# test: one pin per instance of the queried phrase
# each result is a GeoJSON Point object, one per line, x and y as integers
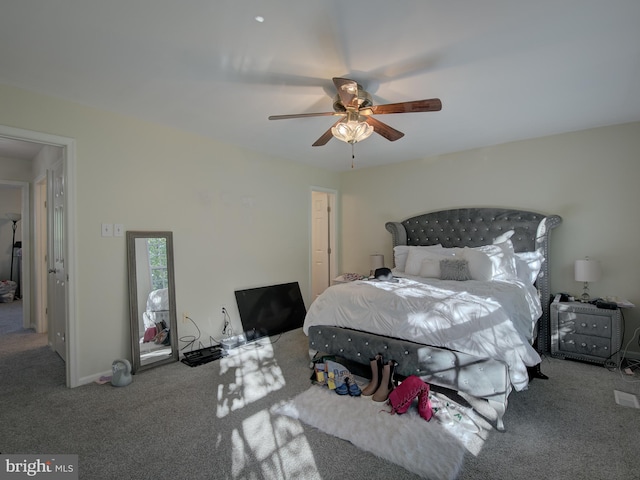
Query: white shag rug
{"type": "Point", "coordinates": [424, 448]}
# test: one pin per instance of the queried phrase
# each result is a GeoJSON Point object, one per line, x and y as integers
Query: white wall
{"type": "Point", "coordinates": [589, 178]}
{"type": "Point", "coordinates": [239, 219]}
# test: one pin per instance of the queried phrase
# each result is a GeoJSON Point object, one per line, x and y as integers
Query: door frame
{"type": "Point", "coordinates": [69, 158]}
{"type": "Point", "coordinates": [333, 233]}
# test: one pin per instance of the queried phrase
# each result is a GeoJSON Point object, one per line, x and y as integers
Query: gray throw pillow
{"type": "Point", "coordinates": [454, 269]}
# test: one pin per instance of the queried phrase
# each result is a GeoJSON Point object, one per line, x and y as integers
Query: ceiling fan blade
{"type": "Point", "coordinates": [302, 115]}
{"type": "Point", "coordinates": [347, 91]}
{"type": "Point", "coordinates": [385, 130]}
{"type": "Point", "coordinates": [430, 105]}
{"type": "Point", "coordinates": [326, 136]}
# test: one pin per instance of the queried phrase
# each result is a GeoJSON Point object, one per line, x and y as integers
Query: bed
{"type": "Point", "coordinates": [450, 316]}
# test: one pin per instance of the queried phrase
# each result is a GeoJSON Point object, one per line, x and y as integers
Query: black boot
{"type": "Point", "coordinates": [535, 372]}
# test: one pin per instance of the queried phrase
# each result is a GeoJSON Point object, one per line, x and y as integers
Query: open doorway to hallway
{"type": "Point", "coordinates": [14, 229]}
{"type": "Point", "coordinates": [53, 166]}
{"type": "Point", "coordinates": [323, 240]}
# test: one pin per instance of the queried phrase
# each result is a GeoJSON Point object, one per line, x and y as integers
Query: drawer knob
{"type": "Point", "coordinates": [583, 344]}
{"type": "Point", "coordinates": [584, 324]}
{"type": "Point", "coordinates": [595, 325]}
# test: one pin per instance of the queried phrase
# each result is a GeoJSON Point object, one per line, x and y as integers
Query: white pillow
{"type": "Point", "coordinates": [430, 268]}
{"type": "Point", "coordinates": [401, 256]}
{"type": "Point", "coordinates": [528, 265]}
{"type": "Point", "coordinates": [418, 254]}
{"type": "Point", "coordinates": [503, 262]}
{"type": "Point", "coordinates": [400, 253]}
{"type": "Point", "coordinates": [504, 237]}
{"type": "Point", "coordinates": [480, 265]}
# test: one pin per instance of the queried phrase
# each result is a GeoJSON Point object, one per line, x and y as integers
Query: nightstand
{"type": "Point", "coordinates": [584, 332]}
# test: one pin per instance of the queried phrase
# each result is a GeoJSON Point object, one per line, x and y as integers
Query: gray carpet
{"type": "Point", "coordinates": [10, 317]}
{"type": "Point", "coordinates": [215, 421]}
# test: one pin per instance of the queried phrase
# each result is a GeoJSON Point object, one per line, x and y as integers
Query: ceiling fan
{"type": "Point", "coordinates": [355, 108]}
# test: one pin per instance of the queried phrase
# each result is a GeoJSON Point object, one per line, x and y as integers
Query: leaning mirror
{"type": "Point", "coordinates": [152, 301]}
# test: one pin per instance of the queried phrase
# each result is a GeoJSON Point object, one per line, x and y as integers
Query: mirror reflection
{"type": "Point", "coordinates": [152, 299]}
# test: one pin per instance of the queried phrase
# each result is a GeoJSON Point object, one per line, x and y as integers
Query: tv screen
{"type": "Point", "coordinates": [270, 310]}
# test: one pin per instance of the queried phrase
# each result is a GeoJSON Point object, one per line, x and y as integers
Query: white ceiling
{"type": "Point", "coordinates": [504, 69]}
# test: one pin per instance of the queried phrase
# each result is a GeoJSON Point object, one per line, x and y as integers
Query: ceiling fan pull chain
{"type": "Point", "coordinates": [353, 155]}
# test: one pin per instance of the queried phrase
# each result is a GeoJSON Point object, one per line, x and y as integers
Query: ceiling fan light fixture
{"type": "Point", "coordinates": [353, 129]}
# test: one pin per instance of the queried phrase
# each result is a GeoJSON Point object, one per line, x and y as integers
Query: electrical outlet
{"type": "Point", "coordinates": [223, 310]}
{"type": "Point", "coordinates": [185, 317]}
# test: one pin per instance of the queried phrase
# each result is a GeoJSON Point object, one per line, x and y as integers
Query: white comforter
{"type": "Point", "coordinates": [486, 319]}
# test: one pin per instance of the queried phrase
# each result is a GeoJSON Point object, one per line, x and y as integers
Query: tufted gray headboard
{"type": "Point", "coordinates": [474, 227]}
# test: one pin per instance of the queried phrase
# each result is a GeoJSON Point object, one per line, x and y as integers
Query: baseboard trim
{"type": "Point", "coordinates": [92, 378]}
{"type": "Point", "coordinates": [632, 355]}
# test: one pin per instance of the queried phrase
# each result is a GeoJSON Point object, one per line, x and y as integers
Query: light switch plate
{"type": "Point", "coordinates": [118, 230]}
{"type": "Point", "coordinates": [107, 229]}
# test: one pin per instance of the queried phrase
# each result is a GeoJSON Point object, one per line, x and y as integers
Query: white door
{"type": "Point", "coordinates": [322, 242]}
{"type": "Point", "coordinates": [56, 260]}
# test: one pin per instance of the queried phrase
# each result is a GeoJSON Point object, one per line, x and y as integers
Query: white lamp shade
{"type": "Point", "coordinates": [352, 132]}
{"type": "Point", "coordinates": [587, 270]}
{"type": "Point", "coordinates": [377, 261]}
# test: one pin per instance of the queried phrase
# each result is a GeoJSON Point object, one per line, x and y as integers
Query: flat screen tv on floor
{"type": "Point", "coordinates": [270, 310]}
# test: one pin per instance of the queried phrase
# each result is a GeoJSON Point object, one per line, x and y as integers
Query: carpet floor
{"type": "Point", "coordinates": [216, 421]}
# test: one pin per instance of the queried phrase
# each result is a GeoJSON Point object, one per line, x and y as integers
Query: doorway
{"type": "Point", "coordinates": [323, 240]}
{"type": "Point", "coordinates": [65, 147]}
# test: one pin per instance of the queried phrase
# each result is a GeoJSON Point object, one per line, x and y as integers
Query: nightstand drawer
{"type": "Point", "coordinates": [585, 345]}
{"type": "Point", "coordinates": [585, 324]}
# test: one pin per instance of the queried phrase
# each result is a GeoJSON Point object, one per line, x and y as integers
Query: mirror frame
{"type": "Point", "coordinates": [133, 299]}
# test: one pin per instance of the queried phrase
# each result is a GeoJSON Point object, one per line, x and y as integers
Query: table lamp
{"type": "Point", "coordinates": [586, 271]}
{"type": "Point", "coordinates": [376, 261]}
